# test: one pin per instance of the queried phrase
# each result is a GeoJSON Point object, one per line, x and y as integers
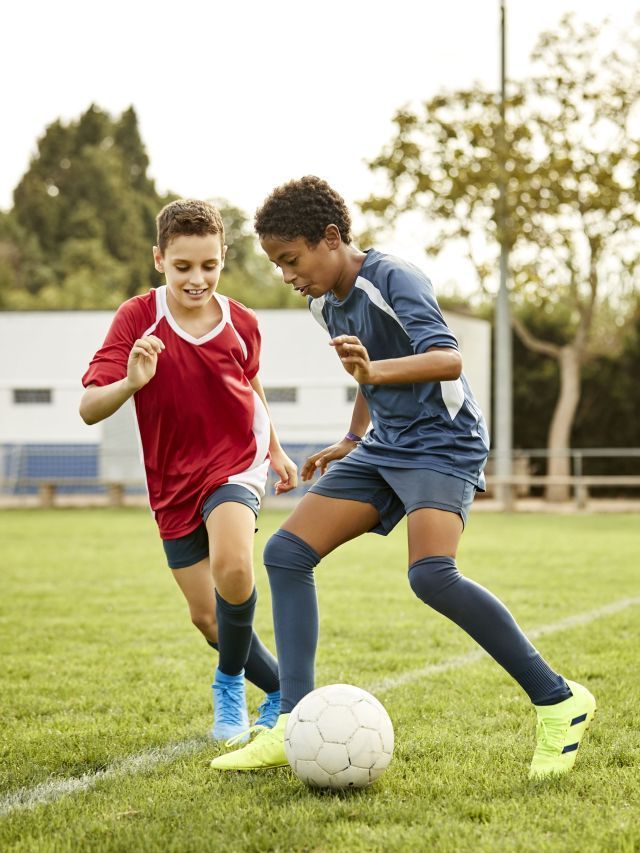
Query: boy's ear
{"type": "Point", "coordinates": [158, 260]}
{"type": "Point", "coordinates": [332, 236]}
{"type": "Point", "coordinates": [224, 253]}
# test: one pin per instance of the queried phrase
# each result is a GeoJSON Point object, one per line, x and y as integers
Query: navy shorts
{"type": "Point", "coordinates": [395, 492]}
{"type": "Point", "coordinates": [187, 550]}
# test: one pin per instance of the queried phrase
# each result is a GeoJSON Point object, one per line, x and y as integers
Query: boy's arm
{"type": "Point", "coordinates": [438, 364]}
{"type": "Point", "coordinates": [100, 401]}
{"type": "Point", "coordinates": [284, 467]}
{"type": "Point", "coordinates": [360, 420]}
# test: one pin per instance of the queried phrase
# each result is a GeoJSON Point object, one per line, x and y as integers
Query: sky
{"type": "Point", "coordinates": [236, 97]}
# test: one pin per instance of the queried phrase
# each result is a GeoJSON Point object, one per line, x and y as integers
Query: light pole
{"type": "Point", "coordinates": [503, 428]}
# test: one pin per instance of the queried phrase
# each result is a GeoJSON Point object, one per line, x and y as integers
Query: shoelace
{"type": "Point", "coordinates": [551, 736]}
{"type": "Point", "coordinates": [232, 703]}
{"type": "Point", "coordinates": [267, 705]}
{"type": "Point", "coordinates": [239, 738]}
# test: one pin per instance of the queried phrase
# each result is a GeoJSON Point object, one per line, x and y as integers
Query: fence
{"type": "Point", "coordinates": [614, 470]}
{"type": "Point", "coordinates": [48, 472]}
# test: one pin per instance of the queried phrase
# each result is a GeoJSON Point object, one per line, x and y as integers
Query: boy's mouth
{"type": "Point", "coordinates": [195, 291]}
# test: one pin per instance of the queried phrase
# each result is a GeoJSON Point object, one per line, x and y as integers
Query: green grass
{"type": "Point", "coordinates": [100, 663]}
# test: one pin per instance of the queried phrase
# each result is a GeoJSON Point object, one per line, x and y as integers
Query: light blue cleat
{"type": "Point", "coordinates": [230, 718]}
{"type": "Point", "coordinates": [269, 710]}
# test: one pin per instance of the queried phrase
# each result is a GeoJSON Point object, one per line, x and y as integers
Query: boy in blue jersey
{"type": "Point", "coordinates": [423, 457]}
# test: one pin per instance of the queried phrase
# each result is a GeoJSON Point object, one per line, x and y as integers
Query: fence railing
{"type": "Point", "coordinates": [525, 477]}
{"type": "Point", "coordinates": [49, 472]}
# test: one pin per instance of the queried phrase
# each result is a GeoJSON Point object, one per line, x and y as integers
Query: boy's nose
{"type": "Point", "coordinates": [197, 277]}
{"type": "Point", "coordinates": [289, 277]}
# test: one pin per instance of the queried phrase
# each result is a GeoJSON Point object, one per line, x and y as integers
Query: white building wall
{"type": "Point", "coordinates": [52, 350]}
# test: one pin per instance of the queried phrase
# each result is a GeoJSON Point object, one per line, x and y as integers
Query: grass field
{"type": "Point", "coordinates": [104, 695]}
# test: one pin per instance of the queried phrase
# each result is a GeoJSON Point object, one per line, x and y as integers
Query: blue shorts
{"type": "Point", "coordinates": [395, 492]}
{"type": "Point", "coordinates": [187, 550]}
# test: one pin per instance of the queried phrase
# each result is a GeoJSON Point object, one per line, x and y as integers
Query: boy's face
{"type": "Point", "coordinates": [191, 265]}
{"type": "Point", "coordinates": [310, 270]}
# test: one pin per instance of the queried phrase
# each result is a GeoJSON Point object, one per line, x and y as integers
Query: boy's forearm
{"type": "Point", "coordinates": [360, 418]}
{"type": "Point", "coordinates": [436, 365]}
{"type": "Point", "coordinates": [100, 401]}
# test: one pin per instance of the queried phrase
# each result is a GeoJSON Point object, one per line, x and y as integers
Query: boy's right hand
{"type": "Point", "coordinates": [320, 460]}
{"type": "Point", "coordinates": [143, 360]}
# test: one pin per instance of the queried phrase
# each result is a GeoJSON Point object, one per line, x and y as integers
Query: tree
{"type": "Point", "coordinates": [83, 224]}
{"type": "Point", "coordinates": [86, 183]}
{"type": "Point", "coordinates": [569, 164]}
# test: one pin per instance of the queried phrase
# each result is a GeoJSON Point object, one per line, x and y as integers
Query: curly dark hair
{"type": "Point", "coordinates": [303, 208]}
{"type": "Point", "coordinates": [188, 216]}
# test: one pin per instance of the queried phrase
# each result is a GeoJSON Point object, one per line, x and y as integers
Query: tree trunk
{"type": "Point", "coordinates": [558, 443]}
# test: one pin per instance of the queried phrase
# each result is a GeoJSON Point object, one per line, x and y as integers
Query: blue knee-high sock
{"type": "Point", "coordinates": [261, 667]}
{"type": "Point", "coordinates": [437, 581]}
{"type": "Point", "coordinates": [290, 563]}
{"type": "Point", "coordinates": [235, 630]}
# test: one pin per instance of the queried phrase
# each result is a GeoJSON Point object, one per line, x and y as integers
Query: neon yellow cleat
{"type": "Point", "coordinates": [265, 751]}
{"type": "Point", "coordinates": [559, 731]}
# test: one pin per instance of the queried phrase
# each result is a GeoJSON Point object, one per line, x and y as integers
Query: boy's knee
{"type": "Point", "coordinates": [285, 550]}
{"type": "Point", "coordinates": [205, 622]}
{"type": "Point", "coordinates": [431, 576]}
{"type": "Point", "coordinates": [232, 572]}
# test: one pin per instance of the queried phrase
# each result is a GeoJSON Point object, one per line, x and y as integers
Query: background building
{"type": "Point", "coordinates": [44, 354]}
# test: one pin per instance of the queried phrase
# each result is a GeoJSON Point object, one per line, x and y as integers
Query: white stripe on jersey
{"type": "Point", "coordinates": [452, 396]}
{"type": "Point", "coordinates": [377, 298]}
{"type": "Point", "coordinates": [315, 306]}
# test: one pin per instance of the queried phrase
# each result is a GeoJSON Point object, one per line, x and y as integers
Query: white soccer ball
{"type": "Point", "coordinates": [339, 736]}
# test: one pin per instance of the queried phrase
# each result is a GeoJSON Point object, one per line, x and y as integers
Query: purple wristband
{"type": "Point", "coordinates": [351, 436]}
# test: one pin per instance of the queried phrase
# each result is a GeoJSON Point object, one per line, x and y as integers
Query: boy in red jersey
{"type": "Point", "coordinates": [189, 357]}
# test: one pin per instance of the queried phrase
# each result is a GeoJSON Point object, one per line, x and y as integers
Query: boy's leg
{"type": "Point", "coordinates": [564, 711]}
{"type": "Point", "coordinates": [317, 526]}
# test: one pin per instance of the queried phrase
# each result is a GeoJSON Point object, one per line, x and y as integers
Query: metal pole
{"type": "Point", "coordinates": [503, 428]}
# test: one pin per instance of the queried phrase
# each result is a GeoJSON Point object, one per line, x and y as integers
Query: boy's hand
{"type": "Point", "coordinates": [143, 360]}
{"type": "Point", "coordinates": [286, 469]}
{"type": "Point", "coordinates": [320, 460]}
{"type": "Point", "coordinates": [354, 357]}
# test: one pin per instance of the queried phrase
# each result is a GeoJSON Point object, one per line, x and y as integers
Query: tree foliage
{"type": "Point", "coordinates": [80, 233]}
{"type": "Point", "coordinates": [567, 158]}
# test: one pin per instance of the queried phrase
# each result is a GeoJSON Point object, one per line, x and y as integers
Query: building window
{"type": "Point", "coordinates": [281, 395]}
{"type": "Point", "coordinates": [32, 395]}
{"type": "Point", "coordinates": [351, 393]}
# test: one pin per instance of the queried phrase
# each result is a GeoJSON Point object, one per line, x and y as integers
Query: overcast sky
{"type": "Point", "coordinates": [236, 97]}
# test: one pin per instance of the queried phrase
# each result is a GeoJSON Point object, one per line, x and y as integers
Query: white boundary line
{"type": "Point", "coordinates": [479, 654]}
{"type": "Point", "coordinates": [48, 792]}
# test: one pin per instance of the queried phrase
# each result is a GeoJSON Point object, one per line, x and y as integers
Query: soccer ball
{"type": "Point", "coordinates": [338, 736]}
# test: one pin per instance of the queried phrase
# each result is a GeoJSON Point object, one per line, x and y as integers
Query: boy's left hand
{"type": "Point", "coordinates": [354, 357]}
{"type": "Point", "coordinates": [286, 469]}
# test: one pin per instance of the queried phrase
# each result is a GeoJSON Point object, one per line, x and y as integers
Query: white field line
{"type": "Point", "coordinates": [47, 792]}
{"type": "Point", "coordinates": [479, 654]}
{"type": "Point", "coordinates": [55, 789]}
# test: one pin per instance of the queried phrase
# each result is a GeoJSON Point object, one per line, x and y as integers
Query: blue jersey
{"type": "Point", "coordinates": [393, 310]}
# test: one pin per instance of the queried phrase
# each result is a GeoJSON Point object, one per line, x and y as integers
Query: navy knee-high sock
{"type": "Point", "coordinates": [437, 582]}
{"type": "Point", "coordinates": [235, 629]}
{"type": "Point", "coordinates": [290, 563]}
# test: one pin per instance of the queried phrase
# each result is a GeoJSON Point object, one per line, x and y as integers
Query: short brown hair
{"type": "Point", "coordinates": [188, 216]}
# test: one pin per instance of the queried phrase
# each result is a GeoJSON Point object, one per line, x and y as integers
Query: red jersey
{"type": "Point", "coordinates": [201, 423]}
